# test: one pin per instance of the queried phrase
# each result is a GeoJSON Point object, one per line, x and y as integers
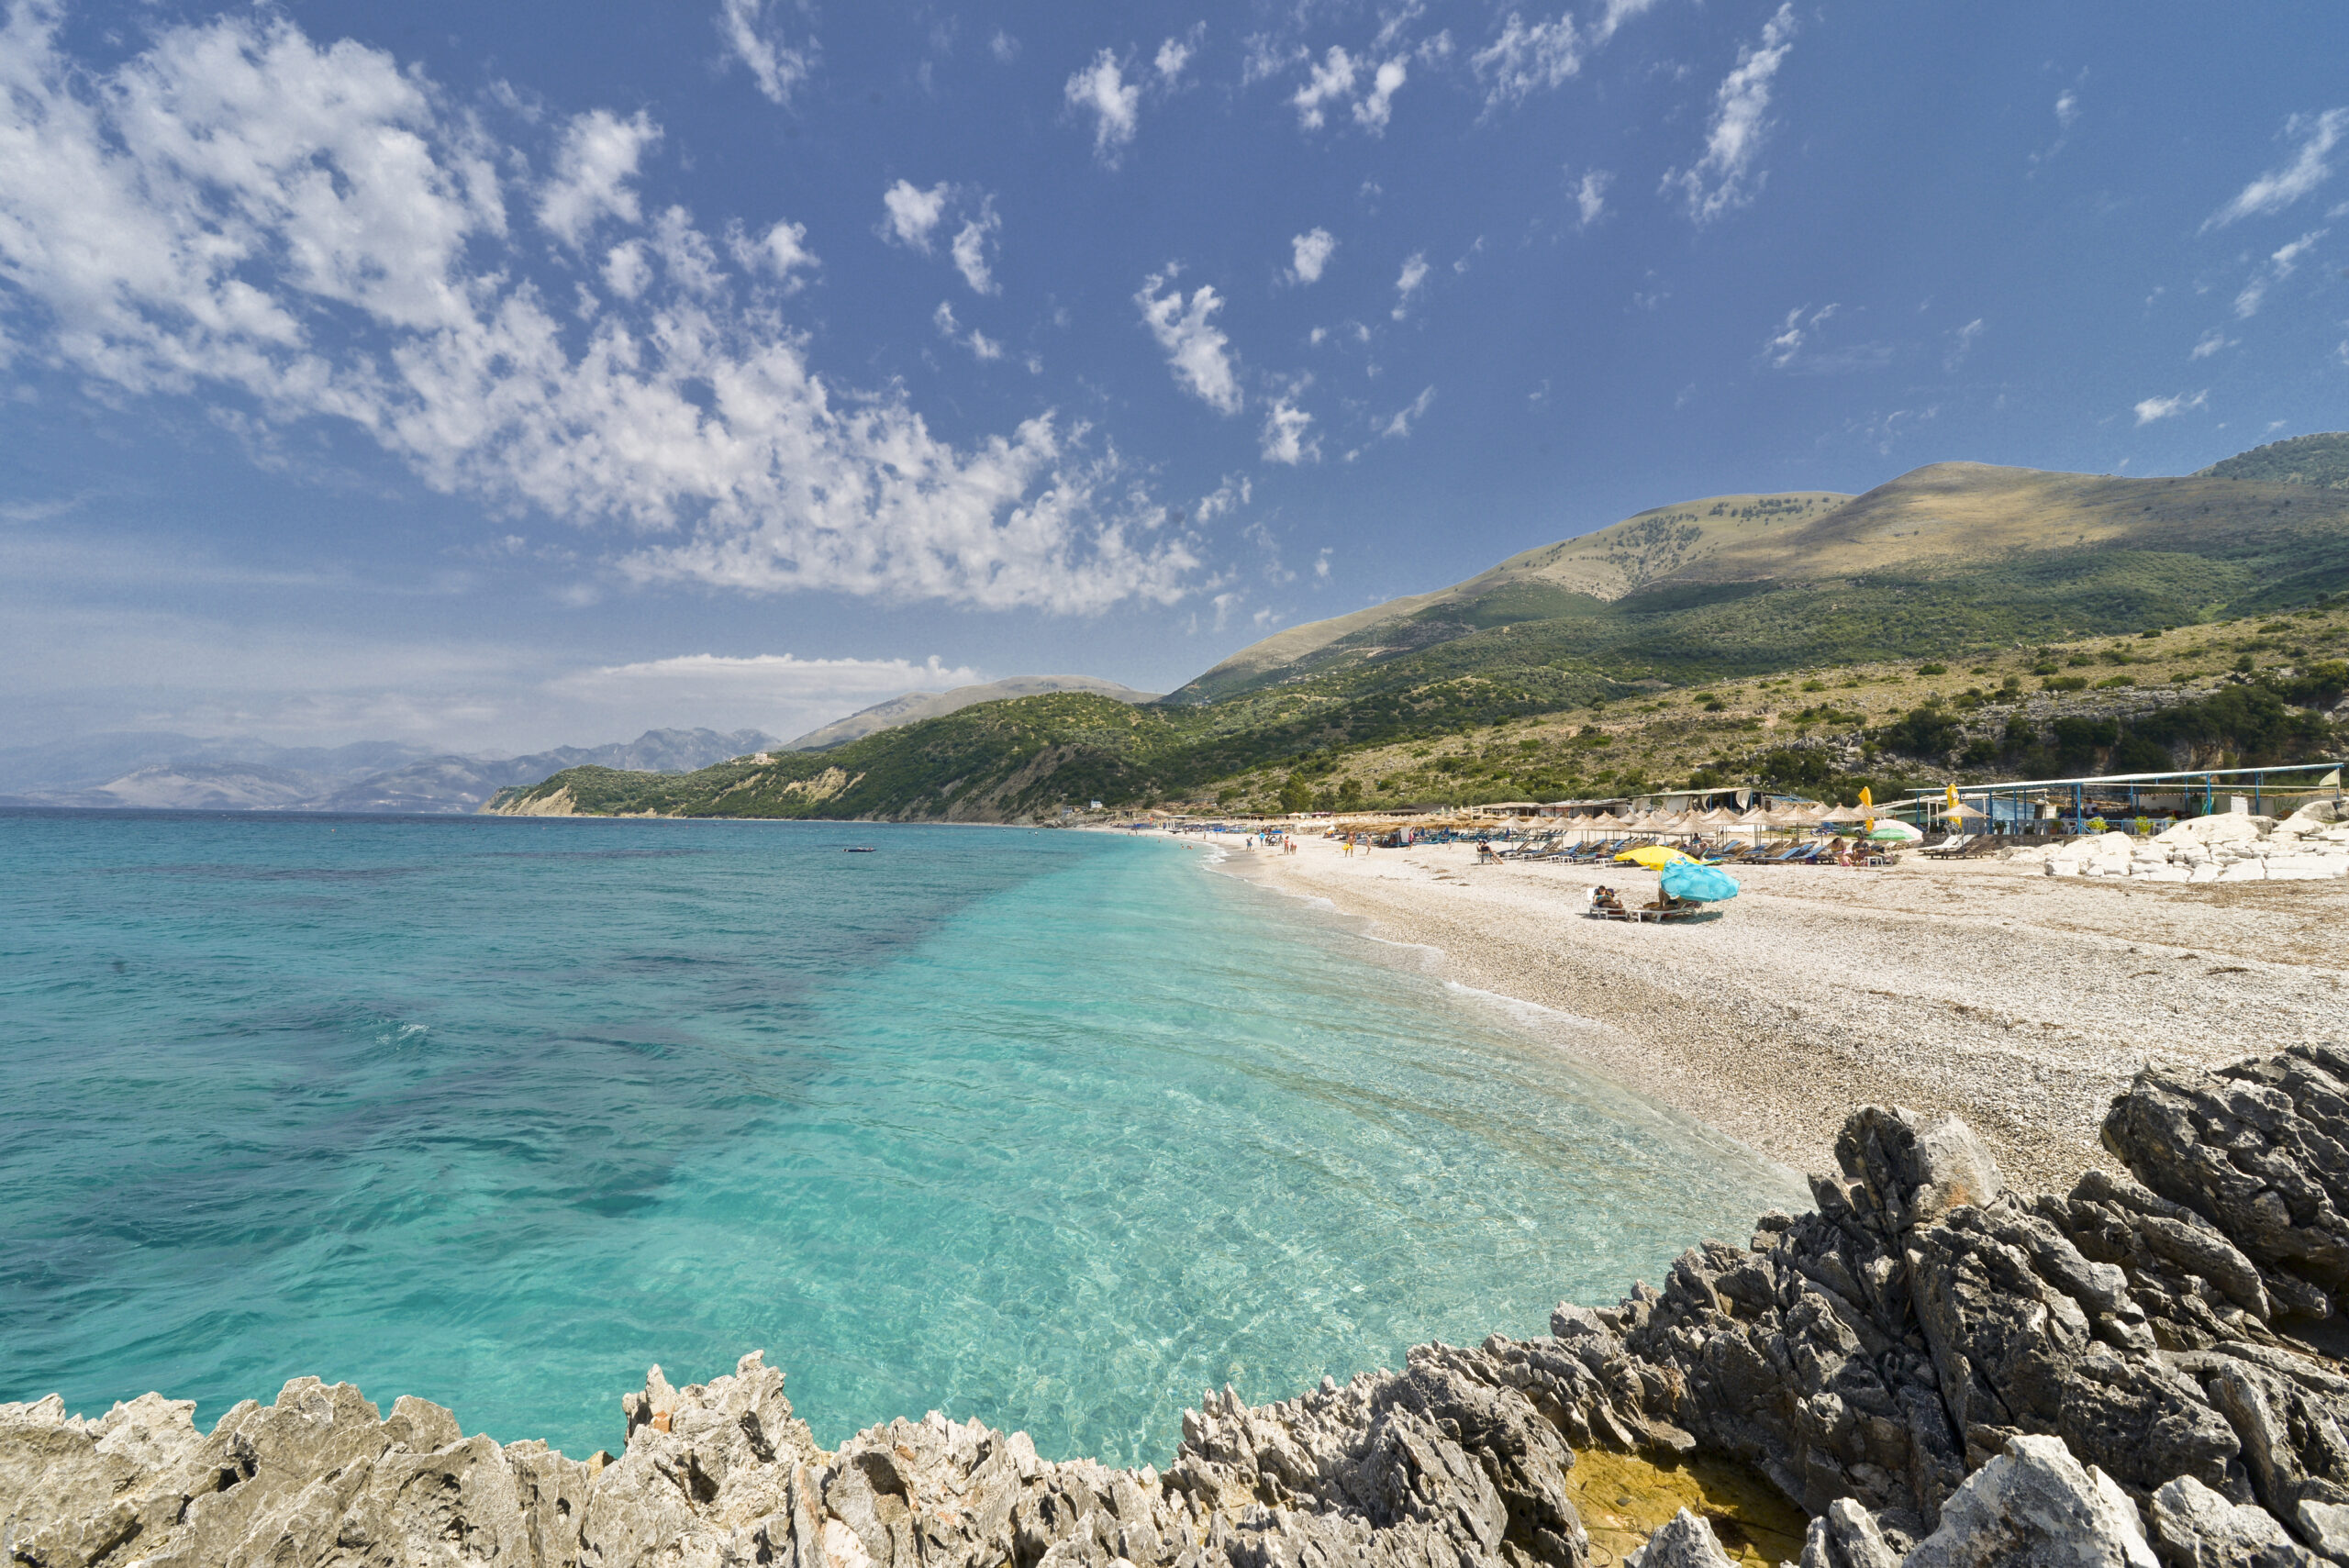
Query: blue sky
{"type": "Point", "coordinates": [500, 376]}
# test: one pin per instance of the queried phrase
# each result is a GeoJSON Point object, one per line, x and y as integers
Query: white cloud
{"type": "Point", "coordinates": [1322, 564]}
{"type": "Point", "coordinates": [1724, 177]}
{"type": "Point", "coordinates": [1228, 497]}
{"type": "Point", "coordinates": [1787, 342]}
{"type": "Point", "coordinates": [1332, 80]}
{"type": "Point", "coordinates": [2067, 109]}
{"type": "Point", "coordinates": [1285, 438]}
{"type": "Point", "coordinates": [983, 348]}
{"type": "Point", "coordinates": [685, 252]}
{"type": "Point", "coordinates": [912, 218]}
{"type": "Point", "coordinates": [2281, 265]}
{"type": "Point", "coordinates": [1408, 282]}
{"type": "Point", "coordinates": [593, 168]}
{"type": "Point", "coordinates": [764, 691]}
{"type": "Point", "coordinates": [1176, 53]}
{"type": "Point", "coordinates": [1004, 47]}
{"type": "Point", "coordinates": [2280, 188]}
{"type": "Point", "coordinates": [1962, 343]}
{"type": "Point", "coordinates": [627, 269]}
{"type": "Point", "coordinates": [1311, 252]}
{"type": "Point", "coordinates": [776, 68]}
{"type": "Point", "coordinates": [1615, 15]}
{"type": "Point", "coordinates": [2211, 342]}
{"type": "Point", "coordinates": [1524, 59]}
{"type": "Point", "coordinates": [2154, 408]}
{"type": "Point", "coordinates": [1267, 57]}
{"type": "Point", "coordinates": [1375, 107]}
{"type": "Point", "coordinates": [1101, 89]}
{"type": "Point", "coordinates": [293, 233]}
{"type": "Point", "coordinates": [1399, 427]}
{"type": "Point", "coordinates": [970, 249]}
{"type": "Point", "coordinates": [913, 214]}
{"type": "Point", "coordinates": [780, 251]}
{"type": "Point", "coordinates": [1590, 196]}
{"type": "Point", "coordinates": [2286, 259]}
{"type": "Point", "coordinates": [1196, 350]}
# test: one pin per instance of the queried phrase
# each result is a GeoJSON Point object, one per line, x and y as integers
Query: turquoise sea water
{"type": "Point", "coordinates": [1054, 1130]}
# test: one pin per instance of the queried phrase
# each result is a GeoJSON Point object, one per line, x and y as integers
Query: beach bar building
{"type": "Point", "coordinates": [2066, 806]}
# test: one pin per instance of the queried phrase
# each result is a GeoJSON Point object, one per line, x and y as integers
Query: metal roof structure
{"type": "Point", "coordinates": [2209, 789]}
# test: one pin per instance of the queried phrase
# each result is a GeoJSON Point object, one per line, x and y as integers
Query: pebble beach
{"type": "Point", "coordinates": [2021, 1002]}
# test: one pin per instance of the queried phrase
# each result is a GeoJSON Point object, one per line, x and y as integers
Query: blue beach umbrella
{"type": "Point", "coordinates": [1698, 882]}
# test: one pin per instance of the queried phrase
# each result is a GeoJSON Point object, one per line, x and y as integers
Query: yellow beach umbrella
{"type": "Point", "coordinates": [1655, 857]}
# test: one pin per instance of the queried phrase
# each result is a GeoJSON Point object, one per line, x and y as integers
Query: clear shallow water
{"type": "Point", "coordinates": [1053, 1130]}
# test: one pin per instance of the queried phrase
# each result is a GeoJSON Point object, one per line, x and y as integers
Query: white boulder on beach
{"type": "Point", "coordinates": [2311, 845]}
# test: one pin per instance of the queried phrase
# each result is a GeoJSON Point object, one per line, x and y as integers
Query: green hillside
{"type": "Point", "coordinates": [2003, 570]}
{"type": "Point", "coordinates": [2319, 463]}
{"type": "Point", "coordinates": [1951, 555]}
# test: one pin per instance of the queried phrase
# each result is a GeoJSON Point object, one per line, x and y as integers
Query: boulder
{"type": "Point", "coordinates": [1847, 1536]}
{"type": "Point", "coordinates": [1684, 1541]}
{"type": "Point", "coordinates": [2259, 1149]}
{"type": "Point", "coordinates": [2194, 1526]}
{"type": "Point", "coordinates": [2035, 1505]}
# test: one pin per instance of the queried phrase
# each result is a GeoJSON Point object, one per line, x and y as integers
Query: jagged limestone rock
{"type": "Point", "coordinates": [2257, 1150]}
{"type": "Point", "coordinates": [2193, 1527]}
{"type": "Point", "coordinates": [1847, 1536]}
{"type": "Point", "coordinates": [2034, 1505]}
{"type": "Point", "coordinates": [1684, 1541]}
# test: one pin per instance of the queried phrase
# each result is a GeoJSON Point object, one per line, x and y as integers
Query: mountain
{"type": "Point", "coordinates": [916, 705]}
{"type": "Point", "coordinates": [88, 762]}
{"type": "Point", "coordinates": [1950, 554]}
{"type": "Point", "coordinates": [463, 784]}
{"type": "Point", "coordinates": [2320, 461]}
{"type": "Point", "coordinates": [1953, 559]}
{"type": "Point", "coordinates": [348, 778]}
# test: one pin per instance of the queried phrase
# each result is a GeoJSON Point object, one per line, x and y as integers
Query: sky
{"type": "Point", "coordinates": [494, 377]}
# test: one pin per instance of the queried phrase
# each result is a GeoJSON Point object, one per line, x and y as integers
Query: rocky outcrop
{"type": "Point", "coordinates": [1938, 1371]}
{"type": "Point", "coordinates": [2311, 845]}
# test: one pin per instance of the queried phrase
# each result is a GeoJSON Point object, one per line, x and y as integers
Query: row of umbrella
{"type": "Point", "coordinates": [1721, 817]}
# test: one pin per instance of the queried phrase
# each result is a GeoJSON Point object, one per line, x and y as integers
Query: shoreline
{"type": "Point", "coordinates": [2020, 1001]}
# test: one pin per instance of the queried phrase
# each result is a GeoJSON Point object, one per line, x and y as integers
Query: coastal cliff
{"type": "Point", "coordinates": [1935, 1369]}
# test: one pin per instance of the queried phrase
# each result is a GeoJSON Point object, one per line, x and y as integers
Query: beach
{"type": "Point", "coordinates": [2021, 1002]}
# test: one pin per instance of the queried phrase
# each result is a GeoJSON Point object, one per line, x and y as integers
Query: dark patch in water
{"type": "Point", "coordinates": [267, 873]}
{"type": "Point", "coordinates": [589, 854]}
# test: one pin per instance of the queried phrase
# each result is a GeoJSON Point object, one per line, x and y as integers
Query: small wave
{"type": "Point", "coordinates": [1526, 1012]}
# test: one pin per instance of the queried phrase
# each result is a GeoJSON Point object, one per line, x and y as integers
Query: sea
{"type": "Point", "coordinates": [1054, 1130]}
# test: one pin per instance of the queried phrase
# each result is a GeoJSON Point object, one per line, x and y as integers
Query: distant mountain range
{"type": "Point", "coordinates": [163, 772]}
{"type": "Point", "coordinates": [916, 705]}
{"type": "Point", "coordinates": [167, 771]}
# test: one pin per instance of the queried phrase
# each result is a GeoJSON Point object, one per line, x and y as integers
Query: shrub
{"type": "Point", "coordinates": [2318, 686]}
{"type": "Point", "coordinates": [1933, 669]}
{"type": "Point", "coordinates": [2065, 684]}
{"type": "Point", "coordinates": [2116, 681]}
{"type": "Point", "coordinates": [1923, 732]}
